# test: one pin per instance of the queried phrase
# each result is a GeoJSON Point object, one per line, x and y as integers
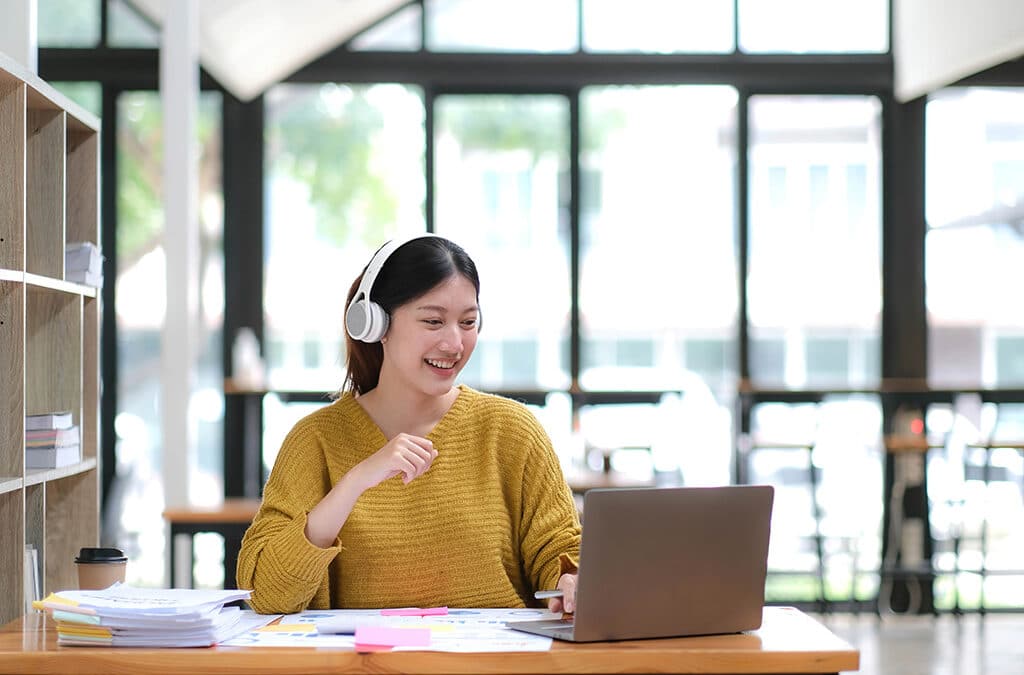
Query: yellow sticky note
{"type": "Point", "coordinates": [52, 599]}
{"type": "Point", "coordinates": [288, 628]}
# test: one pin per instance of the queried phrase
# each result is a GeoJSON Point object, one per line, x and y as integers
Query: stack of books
{"type": "Point", "coordinates": [51, 441]}
{"type": "Point", "coordinates": [83, 264]}
{"type": "Point", "coordinates": [128, 616]}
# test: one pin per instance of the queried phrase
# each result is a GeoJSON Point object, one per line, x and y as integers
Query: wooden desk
{"type": "Point", "coordinates": [788, 642]}
{"type": "Point", "coordinates": [230, 520]}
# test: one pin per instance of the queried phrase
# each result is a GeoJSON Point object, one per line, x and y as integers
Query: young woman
{"type": "Point", "coordinates": [410, 490]}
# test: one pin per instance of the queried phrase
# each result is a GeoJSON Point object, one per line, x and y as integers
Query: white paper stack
{"type": "Point", "coordinates": [83, 264]}
{"type": "Point", "coordinates": [51, 441]}
{"type": "Point", "coordinates": [127, 616]}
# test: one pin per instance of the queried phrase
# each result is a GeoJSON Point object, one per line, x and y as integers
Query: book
{"type": "Point", "coordinates": [52, 458]}
{"type": "Point", "coordinates": [31, 577]}
{"type": "Point", "coordinates": [52, 438]}
{"type": "Point", "coordinates": [51, 420]}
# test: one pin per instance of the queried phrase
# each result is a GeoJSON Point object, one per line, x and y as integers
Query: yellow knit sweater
{"type": "Point", "coordinates": [491, 521]}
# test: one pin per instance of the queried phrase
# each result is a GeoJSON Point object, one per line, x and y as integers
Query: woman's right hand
{"type": "Point", "coordinates": [404, 454]}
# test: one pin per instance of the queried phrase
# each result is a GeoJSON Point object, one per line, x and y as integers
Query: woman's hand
{"type": "Point", "coordinates": [566, 603]}
{"type": "Point", "coordinates": [404, 454]}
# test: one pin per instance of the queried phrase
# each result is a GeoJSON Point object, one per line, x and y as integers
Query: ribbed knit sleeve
{"type": "Point", "coordinates": [277, 562]}
{"type": "Point", "coordinates": [549, 530]}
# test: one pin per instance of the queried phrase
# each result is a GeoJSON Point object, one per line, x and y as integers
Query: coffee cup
{"type": "Point", "coordinates": [100, 568]}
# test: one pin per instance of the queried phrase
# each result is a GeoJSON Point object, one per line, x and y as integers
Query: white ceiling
{"type": "Point", "coordinates": [249, 45]}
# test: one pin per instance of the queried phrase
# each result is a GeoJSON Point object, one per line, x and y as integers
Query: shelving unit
{"type": "Point", "coordinates": [49, 328]}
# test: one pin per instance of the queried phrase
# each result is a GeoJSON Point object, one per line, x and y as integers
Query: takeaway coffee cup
{"type": "Point", "coordinates": [99, 568]}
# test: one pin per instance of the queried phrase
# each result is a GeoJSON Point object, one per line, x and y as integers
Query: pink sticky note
{"type": "Point", "coordinates": [385, 636]}
{"type": "Point", "coordinates": [415, 611]}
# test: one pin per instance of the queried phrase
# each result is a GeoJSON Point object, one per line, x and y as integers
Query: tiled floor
{"type": "Point", "coordinates": [925, 645]}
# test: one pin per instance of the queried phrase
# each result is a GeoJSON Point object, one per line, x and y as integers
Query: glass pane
{"type": "Point", "coordinates": [814, 282]}
{"type": "Point", "coordinates": [844, 434]}
{"type": "Point", "coordinates": [344, 169]}
{"type": "Point", "coordinates": [399, 32]}
{"type": "Point", "coordinates": [68, 23]}
{"type": "Point", "coordinates": [127, 28]}
{"type": "Point", "coordinates": [141, 288]}
{"type": "Point", "coordinates": [89, 95]}
{"type": "Point", "coordinates": [974, 187]}
{"type": "Point", "coordinates": [501, 163]}
{"type": "Point", "coordinates": [655, 26]}
{"type": "Point", "coordinates": [829, 26]}
{"type": "Point", "coordinates": [658, 295]}
{"type": "Point", "coordinates": [502, 26]}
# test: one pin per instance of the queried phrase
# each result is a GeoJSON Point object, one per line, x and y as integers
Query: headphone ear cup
{"type": "Point", "coordinates": [357, 320]}
{"type": "Point", "coordinates": [377, 322]}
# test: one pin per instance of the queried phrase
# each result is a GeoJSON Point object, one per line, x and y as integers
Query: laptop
{"type": "Point", "coordinates": [668, 562]}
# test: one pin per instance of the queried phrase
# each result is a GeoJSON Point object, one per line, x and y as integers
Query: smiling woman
{"type": "Point", "coordinates": [480, 486]}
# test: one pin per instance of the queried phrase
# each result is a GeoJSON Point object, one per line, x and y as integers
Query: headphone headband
{"type": "Point", "coordinates": [364, 319]}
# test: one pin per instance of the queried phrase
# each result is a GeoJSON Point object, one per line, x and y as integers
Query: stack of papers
{"type": "Point", "coordinates": [127, 616]}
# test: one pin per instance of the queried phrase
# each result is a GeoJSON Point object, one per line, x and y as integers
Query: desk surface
{"type": "Point", "coordinates": [233, 510]}
{"type": "Point", "coordinates": [788, 642]}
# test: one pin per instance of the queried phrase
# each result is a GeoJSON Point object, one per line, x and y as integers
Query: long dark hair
{"type": "Point", "coordinates": [412, 270]}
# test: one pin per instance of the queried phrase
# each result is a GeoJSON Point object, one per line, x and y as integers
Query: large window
{"type": "Point", "coordinates": [657, 243]}
{"type": "Point", "coordinates": [137, 497]}
{"type": "Point", "coordinates": [500, 168]}
{"type": "Point", "coordinates": [975, 241]}
{"type": "Point", "coordinates": [344, 173]}
{"type": "Point", "coordinates": [815, 284]}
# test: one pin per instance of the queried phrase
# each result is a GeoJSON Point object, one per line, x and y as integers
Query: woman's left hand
{"type": "Point", "coordinates": [566, 603]}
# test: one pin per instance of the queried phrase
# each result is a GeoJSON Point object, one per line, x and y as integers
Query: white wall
{"type": "Point", "coordinates": [18, 32]}
{"type": "Point", "coordinates": [937, 42]}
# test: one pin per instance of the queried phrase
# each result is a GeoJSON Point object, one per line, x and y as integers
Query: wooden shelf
{"type": "Point", "coordinates": [49, 328]}
{"type": "Point", "coordinates": [11, 484]}
{"type": "Point", "coordinates": [37, 476]}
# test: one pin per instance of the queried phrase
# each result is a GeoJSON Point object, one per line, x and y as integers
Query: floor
{"type": "Point", "coordinates": [926, 645]}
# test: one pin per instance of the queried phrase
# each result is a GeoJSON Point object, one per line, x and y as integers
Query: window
{"type": "Point", "coordinates": [658, 262]}
{"type": "Point", "coordinates": [815, 240]}
{"type": "Point", "coordinates": [500, 162]}
{"type": "Point", "coordinates": [804, 26]}
{"type": "Point", "coordinates": [975, 241]}
{"type": "Point", "coordinates": [337, 186]}
{"type": "Point", "coordinates": [140, 316]}
{"type": "Point", "coordinates": [655, 26]}
{"type": "Point", "coordinates": [68, 23]}
{"type": "Point", "coordinates": [501, 26]}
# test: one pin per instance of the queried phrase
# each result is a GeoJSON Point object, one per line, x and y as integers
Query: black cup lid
{"type": "Point", "coordinates": [101, 555]}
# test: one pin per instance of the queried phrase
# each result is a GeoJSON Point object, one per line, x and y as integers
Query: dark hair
{"type": "Point", "coordinates": [412, 270]}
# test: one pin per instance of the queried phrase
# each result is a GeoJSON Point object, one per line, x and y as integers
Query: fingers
{"type": "Point", "coordinates": [410, 455]}
{"type": "Point", "coordinates": [567, 584]}
{"type": "Point", "coordinates": [555, 605]}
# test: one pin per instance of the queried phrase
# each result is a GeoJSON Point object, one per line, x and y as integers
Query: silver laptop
{"type": "Point", "coordinates": [668, 562]}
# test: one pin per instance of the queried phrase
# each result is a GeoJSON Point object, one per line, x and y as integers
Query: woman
{"type": "Point", "coordinates": [410, 490]}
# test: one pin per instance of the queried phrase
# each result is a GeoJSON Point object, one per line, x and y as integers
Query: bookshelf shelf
{"type": "Point", "coordinates": [38, 476]}
{"type": "Point", "coordinates": [35, 282]}
{"type": "Point", "coordinates": [11, 484]}
{"type": "Point", "coordinates": [49, 329]}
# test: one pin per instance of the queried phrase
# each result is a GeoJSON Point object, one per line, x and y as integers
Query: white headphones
{"type": "Point", "coordinates": [365, 320]}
